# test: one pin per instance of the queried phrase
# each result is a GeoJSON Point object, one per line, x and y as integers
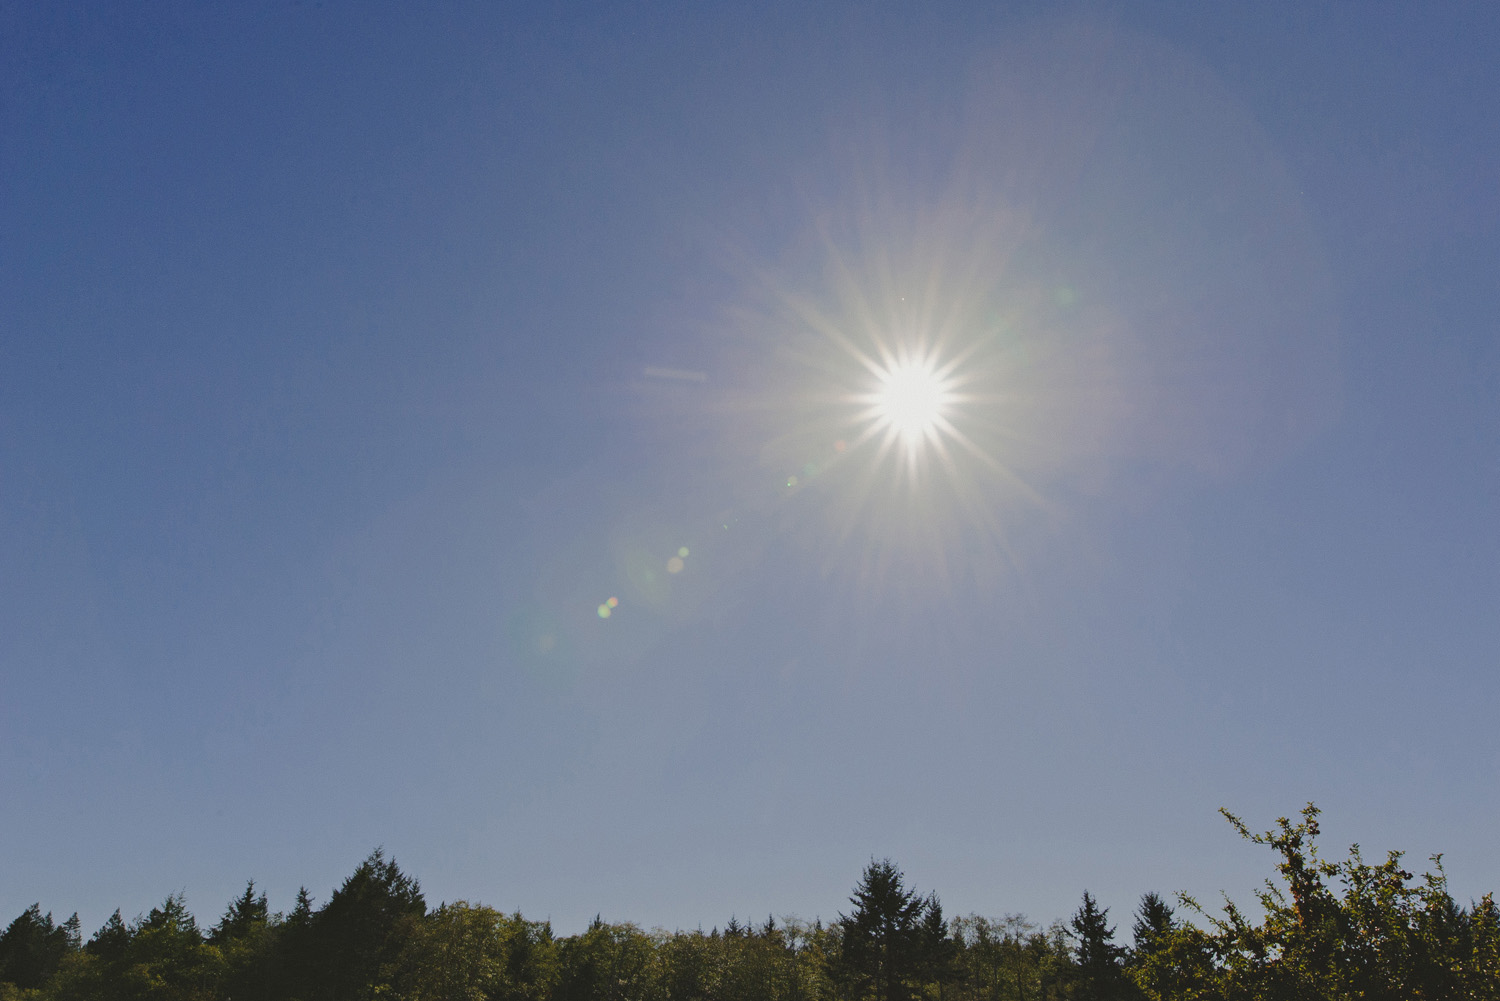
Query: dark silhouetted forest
{"type": "Point", "coordinates": [1320, 929]}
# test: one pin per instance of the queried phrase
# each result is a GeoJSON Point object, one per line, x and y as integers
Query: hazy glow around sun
{"type": "Point", "coordinates": [903, 393]}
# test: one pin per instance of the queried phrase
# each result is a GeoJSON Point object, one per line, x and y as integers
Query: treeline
{"type": "Point", "coordinates": [1341, 930]}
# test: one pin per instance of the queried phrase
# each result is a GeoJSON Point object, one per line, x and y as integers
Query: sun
{"type": "Point", "coordinates": [911, 395]}
{"type": "Point", "coordinates": [912, 401]}
{"type": "Point", "coordinates": [908, 405]}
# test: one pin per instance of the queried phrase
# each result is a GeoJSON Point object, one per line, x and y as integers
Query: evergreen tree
{"type": "Point", "coordinates": [888, 948]}
{"type": "Point", "coordinates": [293, 965]}
{"type": "Point", "coordinates": [111, 941]}
{"type": "Point", "coordinates": [1154, 921]}
{"type": "Point", "coordinates": [936, 951]}
{"type": "Point", "coordinates": [364, 926]}
{"type": "Point", "coordinates": [244, 938]}
{"type": "Point", "coordinates": [302, 911]}
{"type": "Point", "coordinates": [245, 915]}
{"type": "Point", "coordinates": [1101, 975]}
{"type": "Point", "coordinates": [1153, 933]}
{"type": "Point", "coordinates": [161, 957]}
{"type": "Point", "coordinates": [32, 947]}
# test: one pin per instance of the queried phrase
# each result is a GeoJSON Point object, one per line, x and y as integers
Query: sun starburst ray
{"type": "Point", "coordinates": [923, 391]}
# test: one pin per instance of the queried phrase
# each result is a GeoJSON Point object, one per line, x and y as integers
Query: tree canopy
{"type": "Point", "coordinates": [1321, 930]}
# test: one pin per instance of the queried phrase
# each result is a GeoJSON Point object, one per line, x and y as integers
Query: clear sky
{"type": "Point", "coordinates": [353, 356]}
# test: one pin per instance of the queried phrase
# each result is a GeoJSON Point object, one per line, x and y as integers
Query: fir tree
{"type": "Point", "coordinates": [1101, 975]}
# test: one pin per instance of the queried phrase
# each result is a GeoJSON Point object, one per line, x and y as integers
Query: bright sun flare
{"type": "Point", "coordinates": [911, 401]}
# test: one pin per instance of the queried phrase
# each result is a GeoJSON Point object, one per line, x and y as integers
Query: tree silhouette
{"type": "Point", "coordinates": [32, 947]}
{"type": "Point", "coordinates": [1323, 930]}
{"type": "Point", "coordinates": [364, 926]}
{"type": "Point", "coordinates": [1101, 975]}
{"type": "Point", "coordinates": [244, 937]}
{"type": "Point", "coordinates": [245, 915]}
{"type": "Point", "coordinates": [111, 940]}
{"type": "Point", "coordinates": [893, 941]}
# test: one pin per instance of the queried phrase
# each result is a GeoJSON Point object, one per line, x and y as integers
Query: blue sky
{"type": "Point", "coordinates": [351, 356]}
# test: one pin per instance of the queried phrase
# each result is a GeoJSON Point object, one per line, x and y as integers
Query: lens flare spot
{"type": "Point", "coordinates": [605, 611]}
{"type": "Point", "coordinates": [683, 552]}
{"type": "Point", "coordinates": [675, 565]}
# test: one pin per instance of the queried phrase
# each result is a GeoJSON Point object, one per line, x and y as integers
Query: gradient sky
{"type": "Point", "coordinates": [351, 355]}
